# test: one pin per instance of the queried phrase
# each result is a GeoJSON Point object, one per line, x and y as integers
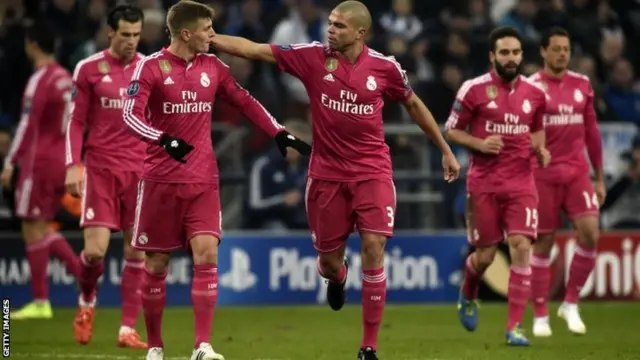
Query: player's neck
{"type": "Point", "coordinates": [353, 53]}
{"type": "Point", "coordinates": [552, 74]}
{"type": "Point", "coordinates": [119, 57]}
{"type": "Point", "coordinates": [42, 61]}
{"type": "Point", "coordinates": [181, 50]}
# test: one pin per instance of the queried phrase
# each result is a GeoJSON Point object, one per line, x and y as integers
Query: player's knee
{"type": "Point", "coordinates": [96, 242]}
{"type": "Point", "coordinates": [130, 252]}
{"type": "Point", "coordinates": [329, 264]}
{"type": "Point", "coordinates": [157, 263]}
{"type": "Point", "coordinates": [484, 257]}
{"type": "Point", "coordinates": [204, 249]}
{"type": "Point", "coordinates": [373, 250]}
{"type": "Point", "coordinates": [543, 244]}
{"type": "Point", "coordinates": [520, 249]}
{"type": "Point", "coordinates": [588, 231]}
{"type": "Point", "coordinates": [34, 231]}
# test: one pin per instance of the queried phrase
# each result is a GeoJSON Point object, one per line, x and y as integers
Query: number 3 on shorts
{"type": "Point", "coordinates": [532, 218]}
{"type": "Point", "coordinates": [391, 216]}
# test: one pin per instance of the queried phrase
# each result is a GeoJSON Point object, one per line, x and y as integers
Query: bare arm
{"type": "Point", "coordinates": [239, 46]}
{"type": "Point", "coordinates": [425, 120]}
{"type": "Point", "coordinates": [461, 137]}
{"type": "Point", "coordinates": [538, 140]}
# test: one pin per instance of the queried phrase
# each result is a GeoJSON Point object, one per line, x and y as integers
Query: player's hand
{"type": "Point", "coordinates": [601, 192]}
{"type": "Point", "coordinates": [492, 144]}
{"type": "Point", "coordinates": [451, 167]}
{"type": "Point", "coordinates": [6, 176]}
{"type": "Point", "coordinates": [292, 198]}
{"type": "Point", "coordinates": [544, 157]}
{"type": "Point", "coordinates": [74, 180]}
{"type": "Point", "coordinates": [285, 140]}
{"type": "Point", "coordinates": [176, 147]}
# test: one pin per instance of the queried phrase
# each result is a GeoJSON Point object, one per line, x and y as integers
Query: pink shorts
{"type": "Point", "coordinates": [576, 197]}
{"type": "Point", "coordinates": [335, 209]}
{"type": "Point", "coordinates": [491, 217]}
{"type": "Point", "coordinates": [39, 194]}
{"type": "Point", "coordinates": [169, 215]}
{"type": "Point", "coordinates": [109, 198]}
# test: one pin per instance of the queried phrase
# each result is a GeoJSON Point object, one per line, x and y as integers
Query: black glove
{"type": "Point", "coordinates": [284, 140]}
{"type": "Point", "coordinates": [175, 147]}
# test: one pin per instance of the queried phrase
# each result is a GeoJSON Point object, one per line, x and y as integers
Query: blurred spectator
{"type": "Point", "coordinates": [621, 209]}
{"type": "Point", "coordinates": [400, 21]}
{"type": "Point", "coordinates": [245, 19]}
{"type": "Point", "coordinates": [522, 17]}
{"type": "Point", "coordinates": [305, 23]}
{"type": "Point", "coordinates": [7, 203]}
{"type": "Point", "coordinates": [623, 95]}
{"type": "Point", "coordinates": [277, 186]}
{"type": "Point", "coordinates": [441, 93]}
{"type": "Point", "coordinates": [153, 36]}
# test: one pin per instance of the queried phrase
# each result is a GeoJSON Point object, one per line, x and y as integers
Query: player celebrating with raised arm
{"type": "Point", "coordinates": [38, 148]}
{"type": "Point", "coordinates": [178, 200]}
{"type": "Point", "coordinates": [113, 161]}
{"type": "Point", "coordinates": [350, 177]}
{"type": "Point", "coordinates": [570, 126]}
{"type": "Point", "coordinates": [502, 112]}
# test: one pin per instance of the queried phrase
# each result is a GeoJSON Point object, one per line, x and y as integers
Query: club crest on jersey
{"type": "Point", "coordinates": [544, 86]}
{"type": "Point", "coordinates": [371, 83]}
{"type": "Point", "coordinates": [526, 106]}
{"type": "Point", "coordinates": [165, 66]}
{"type": "Point", "coordinates": [204, 80]}
{"type": "Point", "coordinates": [577, 96]}
{"type": "Point", "coordinates": [492, 92]}
{"type": "Point", "coordinates": [133, 88]}
{"type": "Point", "coordinates": [103, 66]}
{"type": "Point", "coordinates": [331, 64]}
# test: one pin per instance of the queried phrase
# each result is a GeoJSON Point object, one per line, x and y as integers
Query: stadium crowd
{"type": "Point", "coordinates": [439, 43]}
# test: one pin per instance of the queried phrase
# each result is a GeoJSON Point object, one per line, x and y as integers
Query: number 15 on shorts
{"type": "Point", "coordinates": [531, 220]}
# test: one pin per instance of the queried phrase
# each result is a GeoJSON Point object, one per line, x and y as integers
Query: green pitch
{"type": "Point", "coordinates": [317, 333]}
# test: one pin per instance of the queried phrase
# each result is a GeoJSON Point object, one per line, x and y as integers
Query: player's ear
{"type": "Point", "coordinates": [185, 34]}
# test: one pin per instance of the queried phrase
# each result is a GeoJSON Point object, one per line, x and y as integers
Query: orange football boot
{"type": "Point", "coordinates": [131, 340]}
{"type": "Point", "coordinates": [83, 324]}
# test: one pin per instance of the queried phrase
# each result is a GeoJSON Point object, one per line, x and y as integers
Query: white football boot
{"type": "Point", "coordinates": [155, 353]}
{"type": "Point", "coordinates": [205, 352]}
{"type": "Point", "coordinates": [571, 314]}
{"type": "Point", "coordinates": [541, 327]}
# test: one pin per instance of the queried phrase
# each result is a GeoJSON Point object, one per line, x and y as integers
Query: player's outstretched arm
{"type": "Point", "coordinates": [241, 47]}
{"type": "Point", "coordinates": [425, 120]}
{"type": "Point", "coordinates": [235, 94]}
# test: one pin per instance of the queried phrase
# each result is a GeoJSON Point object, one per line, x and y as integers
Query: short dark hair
{"type": "Point", "coordinates": [554, 31]}
{"type": "Point", "coordinates": [128, 13]}
{"type": "Point", "coordinates": [501, 33]}
{"type": "Point", "coordinates": [43, 35]}
{"type": "Point", "coordinates": [184, 13]}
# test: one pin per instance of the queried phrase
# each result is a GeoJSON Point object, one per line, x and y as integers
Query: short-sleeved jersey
{"type": "Point", "coordinates": [100, 84]}
{"type": "Point", "coordinates": [487, 106]}
{"type": "Point", "coordinates": [346, 108]}
{"type": "Point", "coordinates": [571, 126]}
{"type": "Point", "coordinates": [168, 94]}
{"type": "Point", "coordinates": [40, 138]}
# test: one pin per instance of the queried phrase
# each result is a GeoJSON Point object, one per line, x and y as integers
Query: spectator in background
{"type": "Point", "coordinates": [440, 94]}
{"type": "Point", "coordinates": [99, 42]}
{"type": "Point", "coordinates": [587, 65]}
{"type": "Point", "coordinates": [8, 220]}
{"type": "Point", "coordinates": [623, 95]}
{"type": "Point", "coordinates": [153, 36]}
{"type": "Point", "coordinates": [245, 20]}
{"type": "Point", "coordinates": [305, 23]}
{"type": "Point", "coordinates": [522, 18]}
{"type": "Point", "coordinates": [621, 209]}
{"type": "Point", "coordinates": [401, 22]}
{"type": "Point", "coordinates": [277, 186]}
